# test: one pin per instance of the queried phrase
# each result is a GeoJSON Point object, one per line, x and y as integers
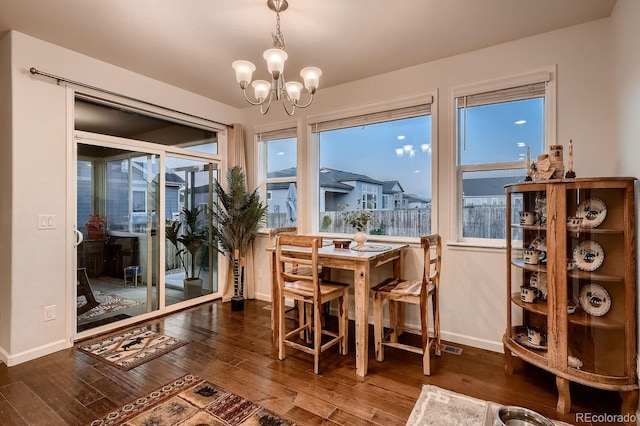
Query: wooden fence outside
{"type": "Point", "coordinates": [478, 222]}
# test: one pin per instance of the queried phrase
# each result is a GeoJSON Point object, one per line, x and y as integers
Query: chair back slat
{"type": "Point", "coordinates": [300, 261]}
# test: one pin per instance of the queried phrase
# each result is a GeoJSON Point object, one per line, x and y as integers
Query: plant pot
{"type": "Point", "coordinates": [237, 304]}
{"type": "Point", "coordinates": [95, 233]}
{"type": "Point", "coordinates": [192, 288]}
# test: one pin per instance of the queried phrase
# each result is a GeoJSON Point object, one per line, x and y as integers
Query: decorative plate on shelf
{"type": "Point", "coordinates": [592, 211]}
{"type": "Point", "coordinates": [588, 255]}
{"type": "Point", "coordinates": [540, 243]}
{"type": "Point", "coordinates": [594, 299]}
{"type": "Point", "coordinates": [521, 337]}
{"type": "Point", "coordinates": [538, 280]}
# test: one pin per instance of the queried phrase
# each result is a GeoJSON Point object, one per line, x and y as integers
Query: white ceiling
{"type": "Point", "coordinates": [191, 43]}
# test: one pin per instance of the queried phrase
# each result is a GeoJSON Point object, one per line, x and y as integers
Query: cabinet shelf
{"type": "Point", "coordinates": [538, 307]}
{"type": "Point", "coordinates": [529, 227]}
{"type": "Point", "coordinates": [582, 231]}
{"type": "Point", "coordinates": [540, 267]}
{"type": "Point", "coordinates": [594, 276]}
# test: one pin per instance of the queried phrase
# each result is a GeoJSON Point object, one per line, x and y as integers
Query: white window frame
{"type": "Point", "coordinates": [544, 74]}
{"type": "Point", "coordinates": [379, 107]}
{"type": "Point", "coordinates": [264, 134]}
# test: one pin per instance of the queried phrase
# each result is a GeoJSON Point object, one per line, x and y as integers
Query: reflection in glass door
{"type": "Point", "coordinates": [190, 263]}
{"type": "Point", "coordinates": [117, 207]}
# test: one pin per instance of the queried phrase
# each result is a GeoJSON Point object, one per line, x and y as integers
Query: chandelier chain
{"type": "Point", "coordinates": [278, 38]}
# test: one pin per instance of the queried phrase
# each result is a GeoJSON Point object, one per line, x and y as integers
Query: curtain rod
{"type": "Point", "coordinates": [58, 79]}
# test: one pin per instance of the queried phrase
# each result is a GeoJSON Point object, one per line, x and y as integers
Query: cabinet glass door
{"type": "Point", "coordinates": [596, 256]}
{"type": "Point", "coordinates": [529, 281]}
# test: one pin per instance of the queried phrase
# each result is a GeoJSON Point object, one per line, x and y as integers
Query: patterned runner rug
{"type": "Point", "coordinates": [441, 407]}
{"type": "Point", "coordinates": [191, 401]}
{"type": "Point", "coordinates": [131, 348]}
{"type": "Point", "coordinates": [108, 303]}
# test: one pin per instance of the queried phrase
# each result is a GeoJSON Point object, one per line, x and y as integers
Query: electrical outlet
{"type": "Point", "coordinates": [50, 313]}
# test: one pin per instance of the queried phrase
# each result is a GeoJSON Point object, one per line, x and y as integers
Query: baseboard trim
{"type": "Point", "coordinates": [4, 356]}
{"type": "Point", "coordinates": [34, 353]}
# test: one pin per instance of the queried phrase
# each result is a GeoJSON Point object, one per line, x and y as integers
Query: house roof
{"type": "Point", "coordinates": [391, 187]}
{"type": "Point", "coordinates": [329, 178]}
{"type": "Point", "coordinates": [487, 187]}
{"type": "Point", "coordinates": [413, 198]}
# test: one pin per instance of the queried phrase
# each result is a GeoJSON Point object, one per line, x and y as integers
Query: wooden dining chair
{"type": "Point", "coordinates": [303, 284]}
{"type": "Point", "coordinates": [419, 292]}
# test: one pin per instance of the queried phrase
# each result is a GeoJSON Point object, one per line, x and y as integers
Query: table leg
{"type": "Point", "coordinates": [361, 293]}
{"type": "Point", "coordinates": [275, 302]}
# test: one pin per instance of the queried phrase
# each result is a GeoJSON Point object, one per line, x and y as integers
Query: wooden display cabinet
{"type": "Point", "coordinates": [589, 265]}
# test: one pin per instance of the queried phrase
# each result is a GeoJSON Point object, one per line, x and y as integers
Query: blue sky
{"type": "Point", "coordinates": [401, 150]}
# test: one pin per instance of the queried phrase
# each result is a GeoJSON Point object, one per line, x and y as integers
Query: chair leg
{"type": "Point", "coordinates": [343, 328]}
{"type": "Point", "coordinates": [317, 336]}
{"type": "Point", "coordinates": [393, 320]}
{"type": "Point", "coordinates": [378, 327]}
{"type": "Point", "coordinates": [281, 329]}
{"type": "Point", "coordinates": [426, 344]}
{"type": "Point", "coordinates": [309, 313]}
{"type": "Point", "coordinates": [436, 323]}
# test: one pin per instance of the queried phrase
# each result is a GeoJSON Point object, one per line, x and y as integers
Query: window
{"type": "Point", "coordinates": [500, 126]}
{"type": "Point", "coordinates": [278, 152]}
{"type": "Point", "coordinates": [367, 160]}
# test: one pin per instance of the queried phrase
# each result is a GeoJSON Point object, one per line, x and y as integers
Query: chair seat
{"type": "Point", "coordinates": [402, 287]}
{"type": "Point", "coordinates": [305, 288]}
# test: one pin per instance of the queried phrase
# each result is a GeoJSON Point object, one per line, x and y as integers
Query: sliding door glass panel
{"type": "Point", "coordinates": [190, 264]}
{"type": "Point", "coordinates": [117, 264]}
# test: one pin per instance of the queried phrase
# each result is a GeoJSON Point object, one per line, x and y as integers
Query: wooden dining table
{"type": "Point", "coordinates": [361, 263]}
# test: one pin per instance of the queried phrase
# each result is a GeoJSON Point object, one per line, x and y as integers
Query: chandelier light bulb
{"type": "Point", "coordinates": [275, 61]}
{"type": "Point", "coordinates": [293, 90]}
{"type": "Point", "coordinates": [244, 71]}
{"type": "Point", "coordinates": [311, 76]}
{"type": "Point", "coordinates": [261, 89]}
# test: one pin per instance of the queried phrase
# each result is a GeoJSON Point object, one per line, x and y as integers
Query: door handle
{"type": "Point", "coordinates": [79, 237]}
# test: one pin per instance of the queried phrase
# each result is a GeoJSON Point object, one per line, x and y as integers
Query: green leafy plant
{"type": "Point", "coordinates": [237, 218]}
{"type": "Point", "coordinates": [359, 219]}
{"type": "Point", "coordinates": [188, 240]}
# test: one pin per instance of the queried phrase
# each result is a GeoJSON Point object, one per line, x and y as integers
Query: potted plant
{"type": "Point", "coordinates": [237, 218]}
{"type": "Point", "coordinates": [95, 227]}
{"type": "Point", "coordinates": [188, 241]}
{"type": "Point", "coordinates": [359, 219]}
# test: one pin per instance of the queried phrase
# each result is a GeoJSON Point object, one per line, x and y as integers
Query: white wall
{"type": "Point", "coordinates": [626, 34]}
{"type": "Point", "coordinates": [5, 192]}
{"type": "Point", "coordinates": [40, 261]}
{"type": "Point", "coordinates": [474, 279]}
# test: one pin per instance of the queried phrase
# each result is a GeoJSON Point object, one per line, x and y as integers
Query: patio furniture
{"type": "Point", "coordinates": [131, 274]}
{"type": "Point", "coordinates": [84, 289]}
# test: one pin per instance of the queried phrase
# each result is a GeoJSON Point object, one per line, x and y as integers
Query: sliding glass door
{"type": "Point", "coordinates": [117, 209]}
{"type": "Point", "coordinates": [190, 262]}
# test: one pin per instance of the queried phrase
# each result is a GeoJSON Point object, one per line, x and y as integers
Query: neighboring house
{"type": "Point", "coordinates": [413, 201]}
{"type": "Point", "coordinates": [338, 189]}
{"type": "Point", "coordinates": [487, 191]}
{"type": "Point", "coordinates": [392, 195]}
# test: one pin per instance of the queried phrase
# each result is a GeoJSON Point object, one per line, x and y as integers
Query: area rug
{"type": "Point", "coordinates": [108, 303]}
{"type": "Point", "coordinates": [441, 407]}
{"type": "Point", "coordinates": [131, 348]}
{"type": "Point", "coordinates": [191, 401]}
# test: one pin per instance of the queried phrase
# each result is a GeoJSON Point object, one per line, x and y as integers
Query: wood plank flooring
{"type": "Point", "coordinates": [233, 350]}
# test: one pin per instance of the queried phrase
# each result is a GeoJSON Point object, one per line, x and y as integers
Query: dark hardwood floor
{"type": "Point", "coordinates": [234, 351]}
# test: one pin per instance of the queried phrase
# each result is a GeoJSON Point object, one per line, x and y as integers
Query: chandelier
{"type": "Point", "coordinates": [279, 89]}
